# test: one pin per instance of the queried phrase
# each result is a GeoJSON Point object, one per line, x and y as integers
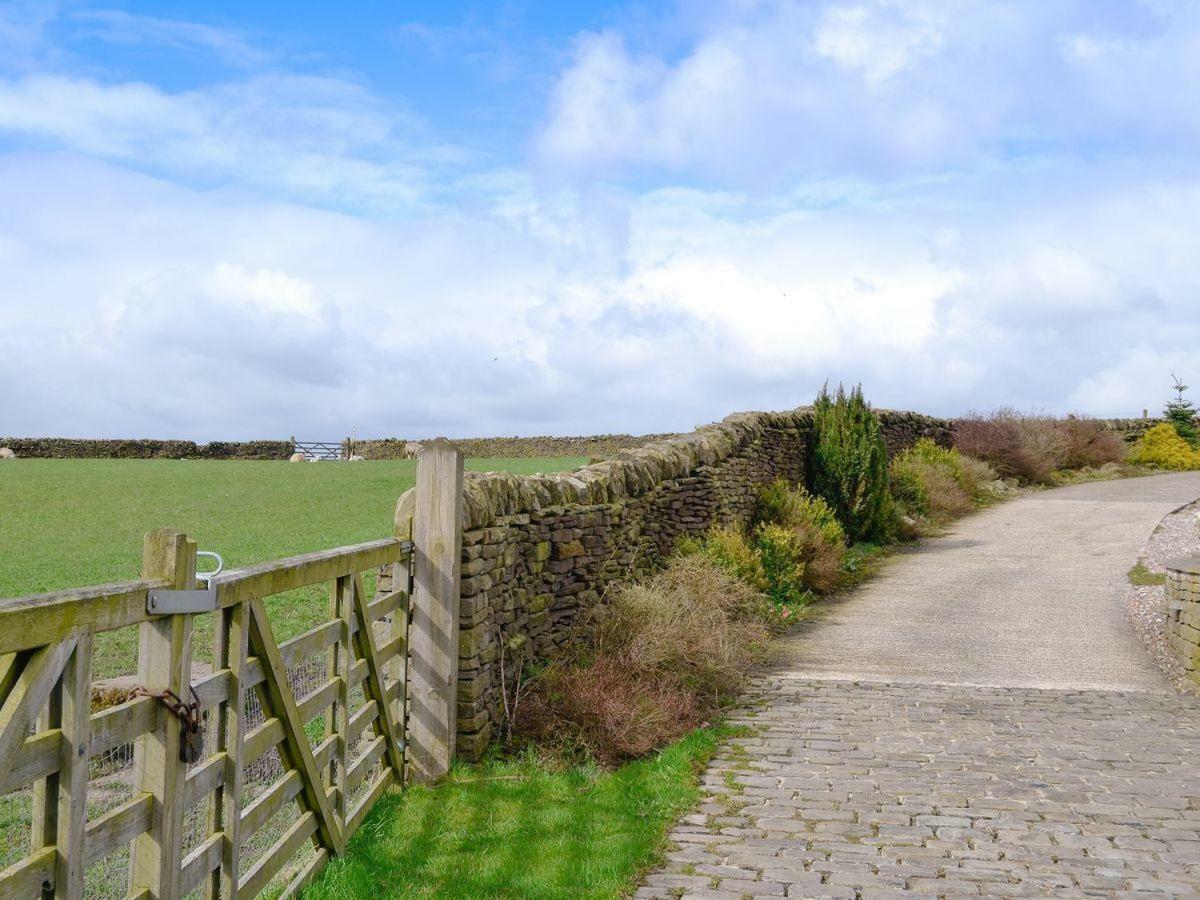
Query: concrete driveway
{"type": "Point", "coordinates": [1029, 593]}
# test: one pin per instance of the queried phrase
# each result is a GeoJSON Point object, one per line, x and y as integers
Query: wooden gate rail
{"type": "Point", "coordinates": [340, 745]}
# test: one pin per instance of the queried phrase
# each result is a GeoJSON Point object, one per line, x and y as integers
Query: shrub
{"type": "Point", "coordinates": [1181, 413]}
{"type": "Point", "coordinates": [818, 541]}
{"type": "Point", "coordinates": [1161, 446]}
{"type": "Point", "coordinates": [653, 661]}
{"type": "Point", "coordinates": [781, 552]}
{"type": "Point", "coordinates": [847, 464]}
{"type": "Point", "coordinates": [939, 483]}
{"type": "Point", "coordinates": [731, 550]}
{"type": "Point", "coordinates": [1089, 444]}
{"type": "Point", "coordinates": [1028, 448]}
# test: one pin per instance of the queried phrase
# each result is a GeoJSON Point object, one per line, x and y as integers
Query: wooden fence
{"type": "Point", "coordinates": [193, 824]}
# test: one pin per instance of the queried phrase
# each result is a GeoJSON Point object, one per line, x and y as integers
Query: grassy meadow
{"type": "Point", "coordinates": [75, 522]}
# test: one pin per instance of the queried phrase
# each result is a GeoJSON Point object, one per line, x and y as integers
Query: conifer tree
{"type": "Point", "coordinates": [847, 464]}
{"type": "Point", "coordinates": [1181, 413]}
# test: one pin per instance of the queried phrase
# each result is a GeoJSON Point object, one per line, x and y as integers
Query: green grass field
{"type": "Point", "coordinates": [73, 522]}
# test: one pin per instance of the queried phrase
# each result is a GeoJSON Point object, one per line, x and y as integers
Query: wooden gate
{"type": "Point", "coordinates": [287, 765]}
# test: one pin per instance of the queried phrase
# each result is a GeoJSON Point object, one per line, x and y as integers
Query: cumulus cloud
{"type": "Point", "coordinates": [307, 137]}
{"type": "Point", "coordinates": [960, 211]}
{"type": "Point", "coordinates": [878, 88]}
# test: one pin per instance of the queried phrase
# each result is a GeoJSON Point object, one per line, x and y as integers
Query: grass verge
{"type": "Point", "coordinates": [518, 828]}
{"type": "Point", "coordinates": [1140, 576]}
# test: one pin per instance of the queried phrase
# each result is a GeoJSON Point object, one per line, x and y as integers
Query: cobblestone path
{"type": "Point", "coordinates": [909, 783]}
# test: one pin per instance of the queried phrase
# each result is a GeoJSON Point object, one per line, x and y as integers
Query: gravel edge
{"type": "Point", "coordinates": [1178, 534]}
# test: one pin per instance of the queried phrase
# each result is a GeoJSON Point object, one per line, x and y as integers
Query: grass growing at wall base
{"type": "Point", "coordinates": [519, 829]}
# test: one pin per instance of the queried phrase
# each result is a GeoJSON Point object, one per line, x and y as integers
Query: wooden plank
{"type": "Point", "coordinates": [374, 686]}
{"type": "Point", "coordinates": [341, 610]}
{"type": "Point", "coordinates": [316, 702]}
{"type": "Point", "coordinates": [296, 745]}
{"type": "Point", "coordinates": [261, 739]}
{"type": "Point", "coordinates": [29, 695]}
{"type": "Point", "coordinates": [391, 648]}
{"type": "Point", "coordinates": [118, 827]}
{"type": "Point", "coordinates": [279, 854]}
{"type": "Point", "coordinates": [43, 831]}
{"type": "Point", "coordinates": [76, 718]}
{"type": "Point", "coordinates": [306, 875]}
{"type": "Point", "coordinates": [323, 752]}
{"type": "Point", "coordinates": [122, 724]}
{"type": "Point", "coordinates": [40, 619]}
{"type": "Point", "coordinates": [203, 861]}
{"type": "Point", "coordinates": [255, 582]}
{"type": "Point", "coordinates": [385, 604]}
{"type": "Point", "coordinates": [314, 641]}
{"type": "Point", "coordinates": [360, 767]}
{"type": "Point", "coordinates": [164, 663]}
{"type": "Point", "coordinates": [231, 641]}
{"type": "Point", "coordinates": [30, 876]}
{"type": "Point", "coordinates": [37, 758]}
{"type": "Point", "coordinates": [204, 778]}
{"type": "Point", "coordinates": [45, 618]}
{"type": "Point", "coordinates": [378, 788]}
{"type": "Point", "coordinates": [360, 720]}
{"type": "Point", "coordinates": [433, 669]}
{"type": "Point", "coordinates": [270, 802]}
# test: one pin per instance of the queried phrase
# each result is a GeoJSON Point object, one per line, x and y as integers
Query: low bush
{"type": "Point", "coordinates": [1028, 448]}
{"type": "Point", "coordinates": [651, 662]}
{"type": "Point", "coordinates": [847, 464]}
{"type": "Point", "coordinates": [938, 483]}
{"type": "Point", "coordinates": [1032, 448]}
{"type": "Point", "coordinates": [731, 550]}
{"type": "Point", "coordinates": [817, 540]}
{"type": "Point", "coordinates": [1163, 448]}
{"type": "Point", "coordinates": [1089, 444]}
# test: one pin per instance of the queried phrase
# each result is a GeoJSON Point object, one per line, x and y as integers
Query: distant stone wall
{"type": "Point", "coordinates": [539, 549]}
{"type": "Point", "coordinates": [1132, 429]}
{"type": "Point", "coordinates": [71, 448]}
{"type": "Point", "coordinates": [1183, 613]}
{"type": "Point", "coordinates": [594, 446]}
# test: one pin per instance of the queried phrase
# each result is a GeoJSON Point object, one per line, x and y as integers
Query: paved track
{"type": "Point", "coordinates": [977, 720]}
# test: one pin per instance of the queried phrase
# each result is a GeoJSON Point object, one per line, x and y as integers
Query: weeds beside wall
{"type": "Point", "coordinates": [539, 549]}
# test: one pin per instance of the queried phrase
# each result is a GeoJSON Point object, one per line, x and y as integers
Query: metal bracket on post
{"type": "Point", "coordinates": [166, 602]}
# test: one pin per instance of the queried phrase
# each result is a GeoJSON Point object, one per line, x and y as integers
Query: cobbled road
{"type": "Point", "coordinates": [978, 720]}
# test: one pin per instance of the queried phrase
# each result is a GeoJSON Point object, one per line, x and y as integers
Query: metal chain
{"type": "Point", "coordinates": [187, 713]}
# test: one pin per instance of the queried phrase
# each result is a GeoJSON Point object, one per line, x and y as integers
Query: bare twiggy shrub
{"type": "Point", "coordinates": [1020, 446]}
{"type": "Point", "coordinates": [1089, 443]}
{"type": "Point", "coordinates": [651, 662]}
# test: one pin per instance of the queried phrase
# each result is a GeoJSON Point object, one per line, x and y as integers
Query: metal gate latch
{"type": "Point", "coordinates": [166, 602]}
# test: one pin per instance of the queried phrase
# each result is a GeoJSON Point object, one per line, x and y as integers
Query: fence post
{"type": "Point", "coordinates": [437, 552]}
{"type": "Point", "coordinates": [164, 663]}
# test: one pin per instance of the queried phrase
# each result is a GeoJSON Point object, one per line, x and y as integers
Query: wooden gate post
{"type": "Point", "coordinates": [164, 663]}
{"type": "Point", "coordinates": [437, 553]}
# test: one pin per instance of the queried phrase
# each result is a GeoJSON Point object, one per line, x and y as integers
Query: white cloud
{"type": "Point", "coordinates": [879, 88]}
{"type": "Point", "coordinates": [313, 138]}
{"type": "Point", "coordinates": [122, 27]}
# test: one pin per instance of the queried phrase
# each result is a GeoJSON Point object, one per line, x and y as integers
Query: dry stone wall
{"type": "Point", "coordinates": [537, 550]}
{"type": "Point", "coordinates": [1183, 613]}
{"type": "Point", "coordinates": [78, 448]}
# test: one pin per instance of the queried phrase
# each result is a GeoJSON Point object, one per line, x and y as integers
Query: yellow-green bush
{"type": "Point", "coordinates": [818, 541]}
{"type": "Point", "coordinates": [938, 483]}
{"type": "Point", "coordinates": [732, 551]}
{"type": "Point", "coordinates": [1162, 447]}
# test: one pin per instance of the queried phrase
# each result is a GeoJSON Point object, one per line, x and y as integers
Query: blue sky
{"type": "Point", "coordinates": [233, 220]}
